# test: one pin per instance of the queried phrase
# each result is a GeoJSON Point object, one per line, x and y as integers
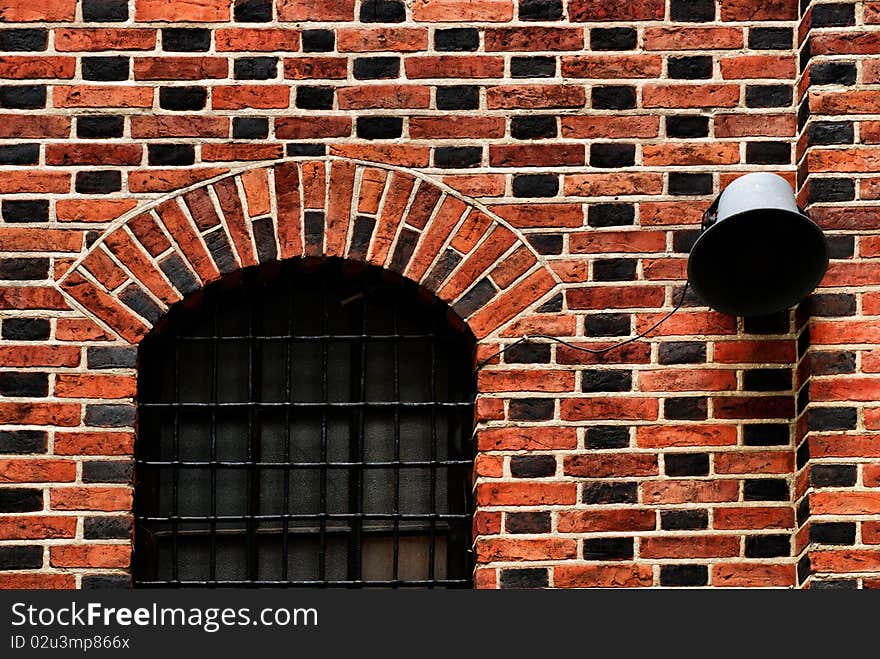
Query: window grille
{"type": "Point", "coordinates": [305, 424]}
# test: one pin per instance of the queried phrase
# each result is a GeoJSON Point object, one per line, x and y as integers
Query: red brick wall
{"type": "Point", "coordinates": [541, 165]}
{"type": "Point", "coordinates": [837, 503]}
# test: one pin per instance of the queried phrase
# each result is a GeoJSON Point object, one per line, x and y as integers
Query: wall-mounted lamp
{"type": "Point", "coordinates": [758, 252]}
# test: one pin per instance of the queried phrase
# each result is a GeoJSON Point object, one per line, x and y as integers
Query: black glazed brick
{"type": "Point", "coordinates": [833, 475]}
{"type": "Point", "coordinates": [24, 40]}
{"type": "Point", "coordinates": [318, 41]}
{"type": "Point", "coordinates": [250, 128]}
{"type": "Point", "coordinates": [768, 546]}
{"type": "Point", "coordinates": [546, 244]}
{"type": "Point", "coordinates": [382, 11]}
{"type": "Point", "coordinates": [802, 511]}
{"type": "Point", "coordinates": [833, 533]}
{"type": "Point", "coordinates": [98, 182]}
{"type": "Point", "coordinates": [611, 215]}
{"type": "Point", "coordinates": [540, 10]}
{"type": "Point", "coordinates": [775, 323]}
{"type": "Point", "coordinates": [599, 493]}
{"type": "Point", "coordinates": [23, 97]}
{"type": "Point", "coordinates": [833, 15]}
{"type": "Point", "coordinates": [833, 362]}
{"type": "Point", "coordinates": [530, 522]}
{"type": "Point", "coordinates": [110, 416]}
{"type": "Point", "coordinates": [767, 379]}
{"type": "Point", "coordinates": [406, 244]}
{"type": "Point", "coordinates": [594, 381]}
{"type": "Point", "coordinates": [614, 269]}
{"type": "Point", "coordinates": [376, 68]}
{"type": "Point", "coordinates": [683, 241]}
{"type": "Point", "coordinates": [456, 39]}
{"type": "Point", "coordinates": [111, 357]}
{"type": "Point", "coordinates": [179, 275]}
{"type": "Point", "coordinates": [686, 464]}
{"type": "Point", "coordinates": [687, 126]}
{"type": "Point", "coordinates": [106, 582]}
{"type": "Point", "coordinates": [768, 96]}
{"type": "Point", "coordinates": [458, 97]}
{"type": "Point", "coordinates": [612, 155]}
{"type": "Point", "coordinates": [803, 568]}
{"type": "Point", "coordinates": [218, 245]}
{"type": "Point", "coordinates": [453, 157]}
{"type": "Point", "coordinates": [314, 98]}
{"type": "Point", "coordinates": [765, 489]}
{"type": "Point", "coordinates": [186, 40]}
{"type": "Point", "coordinates": [768, 153]}
{"type": "Point", "coordinates": [840, 247]}
{"type": "Point", "coordinates": [682, 352]}
{"type": "Point", "coordinates": [20, 154]}
{"type": "Point", "coordinates": [766, 434]}
{"type": "Point", "coordinates": [531, 409]}
{"type": "Point", "coordinates": [535, 185]}
{"type": "Point", "coordinates": [771, 38]}
{"type": "Point", "coordinates": [608, 549]}
{"type": "Point", "coordinates": [831, 132]}
{"type": "Point", "coordinates": [26, 329]}
{"type": "Point", "coordinates": [23, 441]}
{"type": "Point", "coordinates": [255, 68]}
{"type": "Point", "coordinates": [141, 303]}
{"type": "Point", "coordinates": [536, 353]}
{"type": "Point", "coordinates": [833, 584]}
{"type": "Point", "coordinates": [833, 73]}
{"type": "Point", "coordinates": [607, 324]}
{"type": "Point", "coordinates": [524, 578]}
{"type": "Point", "coordinates": [692, 11]}
{"type": "Point", "coordinates": [832, 418]}
{"type": "Point", "coordinates": [105, 68]}
{"type": "Point", "coordinates": [532, 67]}
{"type": "Point", "coordinates": [21, 557]}
{"type": "Point", "coordinates": [24, 385]}
{"type": "Point", "coordinates": [107, 471]}
{"type": "Point", "coordinates": [97, 127]}
{"type": "Point", "coordinates": [476, 297]}
{"type": "Point", "coordinates": [171, 154]}
{"type": "Point", "coordinates": [379, 128]}
{"type": "Point", "coordinates": [252, 11]}
{"type": "Point", "coordinates": [25, 210]}
{"type": "Point", "coordinates": [20, 500]}
{"type": "Point", "coordinates": [101, 528]}
{"type": "Point", "coordinates": [303, 149]}
{"type": "Point", "coordinates": [681, 183]}
{"type": "Point", "coordinates": [684, 520]}
{"type": "Point", "coordinates": [832, 189]}
{"type": "Point", "coordinates": [601, 437]}
{"type": "Point", "coordinates": [684, 575]}
{"type": "Point", "coordinates": [686, 408]}
{"type": "Point", "coordinates": [614, 97]}
{"type": "Point", "coordinates": [613, 38]}
{"type": "Point", "coordinates": [690, 68]}
{"type": "Point", "coordinates": [532, 466]}
{"type": "Point", "coordinates": [533, 127]}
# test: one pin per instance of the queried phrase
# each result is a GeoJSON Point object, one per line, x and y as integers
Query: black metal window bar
{"type": "Point", "coordinates": [305, 424]}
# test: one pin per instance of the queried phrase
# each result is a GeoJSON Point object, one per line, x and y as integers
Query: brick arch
{"type": "Point", "coordinates": [152, 257]}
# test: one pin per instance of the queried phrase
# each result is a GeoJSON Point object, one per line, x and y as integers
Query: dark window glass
{"type": "Point", "coordinates": [304, 424]}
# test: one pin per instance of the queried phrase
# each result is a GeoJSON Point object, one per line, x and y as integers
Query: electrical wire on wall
{"type": "Point", "coordinates": [751, 195]}
{"type": "Point", "coordinates": [704, 223]}
{"type": "Point", "coordinates": [528, 338]}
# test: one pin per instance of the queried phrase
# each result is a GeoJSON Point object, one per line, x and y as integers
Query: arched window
{"type": "Point", "coordinates": [305, 424]}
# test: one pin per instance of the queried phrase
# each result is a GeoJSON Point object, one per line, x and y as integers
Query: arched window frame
{"type": "Point", "coordinates": [147, 569]}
